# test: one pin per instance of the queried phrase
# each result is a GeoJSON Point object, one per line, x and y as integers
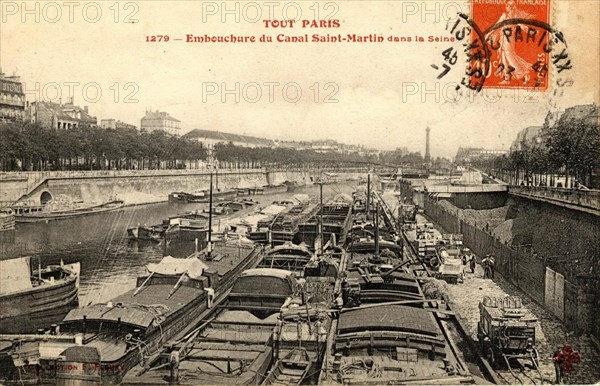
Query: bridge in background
{"type": "Point", "coordinates": [577, 199]}
{"type": "Point", "coordinates": [582, 200]}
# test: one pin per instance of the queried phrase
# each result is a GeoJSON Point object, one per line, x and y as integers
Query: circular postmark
{"type": "Point", "coordinates": [541, 43]}
{"type": "Point", "coordinates": [473, 50]}
{"type": "Point", "coordinates": [520, 54]}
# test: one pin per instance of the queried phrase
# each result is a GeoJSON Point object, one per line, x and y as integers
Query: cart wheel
{"type": "Point", "coordinates": [491, 357]}
{"type": "Point", "coordinates": [535, 358]}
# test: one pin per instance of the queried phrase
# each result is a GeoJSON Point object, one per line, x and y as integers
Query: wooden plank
{"type": "Point", "coordinates": [222, 355]}
{"type": "Point", "coordinates": [549, 289]}
{"type": "Point", "coordinates": [559, 296]}
{"type": "Point", "coordinates": [228, 346]}
{"type": "Point", "coordinates": [237, 336]}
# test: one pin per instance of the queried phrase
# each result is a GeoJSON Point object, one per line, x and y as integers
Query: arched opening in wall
{"type": "Point", "coordinates": [45, 197]}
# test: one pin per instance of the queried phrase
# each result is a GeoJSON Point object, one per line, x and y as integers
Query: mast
{"type": "Point", "coordinates": [321, 214]}
{"type": "Point", "coordinates": [368, 194]}
{"type": "Point", "coordinates": [352, 234]}
{"type": "Point", "coordinates": [376, 229]}
{"type": "Point", "coordinates": [217, 179]}
{"type": "Point", "coordinates": [210, 214]}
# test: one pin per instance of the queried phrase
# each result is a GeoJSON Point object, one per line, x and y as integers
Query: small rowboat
{"type": "Point", "coordinates": [291, 369]}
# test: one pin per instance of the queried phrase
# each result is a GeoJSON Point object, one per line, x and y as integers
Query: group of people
{"type": "Point", "coordinates": [469, 258]}
{"type": "Point", "coordinates": [488, 263]}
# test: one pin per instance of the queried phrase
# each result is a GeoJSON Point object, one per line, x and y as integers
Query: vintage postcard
{"type": "Point", "coordinates": [295, 192]}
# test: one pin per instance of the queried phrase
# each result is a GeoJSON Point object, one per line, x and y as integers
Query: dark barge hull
{"type": "Point", "coordinates": [273, 189]}
{"type": "Point", "coordinates": [37, 307]}
{"type": "Point", "coordinates": [217, 196]}
{"type": "Point", "coordinates": [178, 324]}
{"type": "Point", "coordinates": [112, 370]}
{"type": "Point", "coordinates": [238, 330]}
{"type": "Point", "coordinates": [51, 216]}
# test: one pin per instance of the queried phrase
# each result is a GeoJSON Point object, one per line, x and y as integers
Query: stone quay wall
{"type": "Point", "coordinates": [572, 300]}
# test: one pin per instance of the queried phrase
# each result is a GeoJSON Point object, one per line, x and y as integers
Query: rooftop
{"type": "Point", "coordinates": [61, 111]}
{"type": "Point", "coordinates": [159, 115]}
{"type": "Point", "coordinates": [229, 137]}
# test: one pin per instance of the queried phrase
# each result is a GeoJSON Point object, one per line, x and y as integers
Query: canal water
{"type": "Point", "coordinates": [110, 263]}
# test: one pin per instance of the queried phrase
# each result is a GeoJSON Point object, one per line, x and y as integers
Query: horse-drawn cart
{"type": "Point", "coordinates": [506, 331]}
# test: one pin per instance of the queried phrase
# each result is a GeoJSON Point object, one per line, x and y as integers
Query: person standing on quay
{"type": "Point", "coordinates": [472, 263]}
{"type": "Point", "coordinates": [557, 358]}
{"type": "Point", "coordinates": [485, 263]}
{"type": "Point", "coordinates": [492, 265]}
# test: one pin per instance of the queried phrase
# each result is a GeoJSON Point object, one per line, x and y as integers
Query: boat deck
{"type": "Point", "coordinates": [391, 317]}
{"type": "Point", "coordinates": [377, 370]}
{"type": "Point", "coordinates": [227, 257]}
{"type": "Point", "coordinates": [232, 349]}
{"type": "Point", "coordinates": [141, 309]}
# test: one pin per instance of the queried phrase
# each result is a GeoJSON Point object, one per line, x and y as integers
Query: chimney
{"type": "Point", "coordinates": [85, 108]}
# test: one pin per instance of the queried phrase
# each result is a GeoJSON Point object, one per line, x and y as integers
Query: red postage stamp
{"type": "Point", "coordinates": [519, 37]}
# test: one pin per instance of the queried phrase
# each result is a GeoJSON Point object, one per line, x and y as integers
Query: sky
{"type": "Point", "coordinates": [381, 95]}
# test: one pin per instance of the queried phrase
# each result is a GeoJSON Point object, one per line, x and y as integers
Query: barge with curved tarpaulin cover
{"type": "Point", "coordinates": [234, 344]}
{"type": "Point", "coordinates": [23, 216]}
{"type": "Point", "coordinates": [287, 256]}
{"type": "Point", "coordinates": [167, 302]}
{"type": "Point", "coordinates": [387, 331]}
{"type": "Point", "coordinates": [392, 344]}
{"type": "Point", "coordinates": [31, 300]}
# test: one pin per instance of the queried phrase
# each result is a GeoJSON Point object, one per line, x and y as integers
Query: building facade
{"type": "Point", "coordinates": [588, 113]}
{"type": "Point", "coordinates": [470, 154]}
{"type": "Point", "coordinates": [210, 138]}
{"type": "Point", "coordinates": [12, 99]}
{"type": "Point", "coordinates": [60, 116]}
{"type": "Point", "coordinates": [160, 120]}
{"type": "Point", "coordinates": [116, 125]}
{"type": "Point", "coordinates": [531, 136]}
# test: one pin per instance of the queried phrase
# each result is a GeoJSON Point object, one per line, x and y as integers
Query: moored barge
{"type": "Point", "coordinates": [24, 215]}
{"type": "Point", "coordinates": [234, 344]}
{"type": "Point", "coordinates": [109, 339]}
{"type": "Point", "coordinates": [388, 332]}
{"type": "Point", "coordinates": [202, 196]}
{"type": "Point", "coordinates": [31, 300]}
